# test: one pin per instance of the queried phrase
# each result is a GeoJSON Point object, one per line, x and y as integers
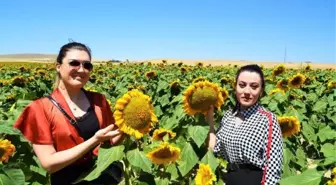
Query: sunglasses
{"type": "Point", "coordinates": [86, 64]}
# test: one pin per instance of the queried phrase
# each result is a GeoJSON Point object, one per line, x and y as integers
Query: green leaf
{"type": "Point", "coordinates": [173, 171]}
{"type": "Point", "coordinates": [7, 129]}
{"type": "Point", "coordinates": [12, 176]}
{"type": "Point", "coordinates": [169, 123]}
{"type": "Point", "coordinates": [106, 156]}
{"type": "Point", "coordinates": [301, 157]}
{"type": "Point", "coordinates": [158, 111]}
{"type": "Point", "coordinates": [320, 106]}
{"type": "Point", "coordinates": [139, 159]}
{"type": "Point", "coordinates": [198, 134]}
{"type": "Point", "coordinates": [328, 150]}
{"type": "Point", "coordinates": [164, 100]}
{"type": "Point", "coordinates": [159, 181]}
{"type": "Point", "coordinates": [309, 177]}
{"type": "Point", "coordinates": [162, 85]}
{"type": "Point", "coordinates": [308, 132]}
{"type": "Point", "coordinates": [326, 133]}
{"type": "Point", "coordinates": [188, 159]}
{"type": "Point", "coordinates": [210, 159]}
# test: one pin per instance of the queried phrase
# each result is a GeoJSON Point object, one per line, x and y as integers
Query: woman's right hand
{"type": "Point", "coordinates": [107, 133]}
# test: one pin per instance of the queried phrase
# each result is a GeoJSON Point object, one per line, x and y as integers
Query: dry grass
{"type": "Point", "coordinates": [266, 64]}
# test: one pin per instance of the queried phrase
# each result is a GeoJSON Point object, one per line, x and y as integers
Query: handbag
{"type": "Point", "coordinates": [114, 170]}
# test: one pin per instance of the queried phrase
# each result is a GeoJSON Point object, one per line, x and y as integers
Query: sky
{"type": "Point", "coordinates": [186, 29]}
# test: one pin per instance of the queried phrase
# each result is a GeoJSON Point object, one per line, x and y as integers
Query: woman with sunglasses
{"type": "Point", "coordinates": [67, 127]}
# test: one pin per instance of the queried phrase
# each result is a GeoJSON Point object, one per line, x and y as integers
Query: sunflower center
{"type": "Point", "coordinates": [202, 98]}
{"type": "Point", "coordinates": [2, 152]}
{"type": "Point", "coordinates": [137, 113]}
{"type": "Point", "coordinates": [163, 153]}
{"type": "Point", "coordinates": [296, 81]}
{"type": "Point", "coordinates": [287, 126]}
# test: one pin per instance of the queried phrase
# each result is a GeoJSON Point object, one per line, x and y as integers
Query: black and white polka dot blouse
{"type": "Point", "coordinates": [246, 142]}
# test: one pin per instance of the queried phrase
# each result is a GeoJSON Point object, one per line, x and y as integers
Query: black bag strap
{"type": "Point", "coordinates": [72, 121]}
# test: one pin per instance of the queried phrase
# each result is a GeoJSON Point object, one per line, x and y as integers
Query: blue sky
{"type": "Point", "coordinates": [186, 29]}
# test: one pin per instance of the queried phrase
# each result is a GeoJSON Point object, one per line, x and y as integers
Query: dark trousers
{"type": "Point", "coordinates": [244, 176]}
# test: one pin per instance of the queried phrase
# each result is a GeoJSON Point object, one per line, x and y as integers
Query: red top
{"type": "Point", "coordinates": [41, 122]}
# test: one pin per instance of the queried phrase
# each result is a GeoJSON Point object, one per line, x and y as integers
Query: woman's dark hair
{"type": "Point", "coordinates": [72, 45]}
{"type": "Point", "coordinates": [250, 68]}
{"type": "Point", "coordinates": [63, 51]}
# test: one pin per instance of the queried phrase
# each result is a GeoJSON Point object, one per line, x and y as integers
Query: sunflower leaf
{"type": "Point", "coordinates": [309, 177]}
{"type": "Point", "coordinates": [188, 159]}
{"type": "Point", "coordinates": [198, 134]}
{"type": "Point", "coordinates": [12, 176]}
{"type": "Point", "coordinates": [106, 156]}
{"type": "Point", "coordinates": [328, 150]}
{"type": "Point", "coordinates": [173, 171]}
{"type": "Point", "coordinates": [138, 159]}
{"type": "Point", "coordinates": [326, 133]}
{"type": "Point", "coordinates": [210, 159]}
{"type": "Point", "coordinates": [320, 106]}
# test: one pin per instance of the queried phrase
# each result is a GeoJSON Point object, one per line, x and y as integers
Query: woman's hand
{"type": "Point", "coordinates": [108, 133]}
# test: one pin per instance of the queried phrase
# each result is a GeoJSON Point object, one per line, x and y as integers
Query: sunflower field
{"type": "Point", "coordinates": [162, 110]}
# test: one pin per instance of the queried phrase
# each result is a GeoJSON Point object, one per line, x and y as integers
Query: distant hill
{"type": "Point", "coordinates": [32, 57]}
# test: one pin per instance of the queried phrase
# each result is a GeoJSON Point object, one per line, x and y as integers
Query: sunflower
{"type": "Point", "coordinates": [289, 125]}
{"type": "Point", "coordinates": [277, 90]}
{"type": "Point", "coordinates": [282, 84]}
{"type": "Point", "coordinates": [332, 84]}
{"type": "Point", "coordinates": [308, 67]}
{"type": "Point", "coordinates": [175, 85]}
{"type": "Point", "coordinates": [141, 88]}
{"type": "Point", "coordinates": [134, 114]}
{"type": "Point", "coordinates": [204, 175]}
{"type": "Point", "coordinates": [160, 133]}
{"type": "Point", "coordinates": [332, 182]}
{"type": "Point", "coordinates": [180, 64]}
{"type": "Point", "coordinates": [225, 93]}
{"type": "Point", "coordinates": [199, 96]}
{"type": "Point", "coordinates": [199, 79]}
{"type": "Point", "coordinates": [151, 74]}
{"type": "Point", "coordinates": [199, 64]}
{"type": "Point", "coordinates": [164, 154]}
{"type": "Point", "coordinates": [334, 171]}
{"type": "Point", "coordinates": [6, 150]}
{"type": "Point", "coordinates": [278, 70]}
{"type": "Point", "coordinates": [225, 80]}
{"type": "Point", "coordinates": [183, 69]}
{"type": "Point", "coordinates": [296, 81]}
{"type": "Point", "coordinates": [18, 81]}
{"type": "Point", "coordinates": [164, 61]}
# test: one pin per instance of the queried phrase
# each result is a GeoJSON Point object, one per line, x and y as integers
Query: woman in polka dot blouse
{"type": "Point", "coordinates": [249, 136]}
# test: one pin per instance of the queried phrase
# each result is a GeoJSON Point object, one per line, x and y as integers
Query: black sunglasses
{"type": "Point", "coordinates": [86, 64]}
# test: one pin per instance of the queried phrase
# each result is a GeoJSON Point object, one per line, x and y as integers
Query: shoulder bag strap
{"type": "Point", "coordinates": [72, 121]}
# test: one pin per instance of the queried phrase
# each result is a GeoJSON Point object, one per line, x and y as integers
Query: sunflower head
{"type": "Point", "coordinates": [149, 63]}
{"type": "Point", "coordinates": [6, 150]}
{"type": "Point", "coordinates": [180, 64]}
{"type": "Point", "coordinates": [199, 64]}
{"type": "Point", "coordinates": [289, 125]}
{"type": "Point", "coordinates": [225, 80]}
{"type": "Point", "coordinates": [134, 113]}
{"type": "Point", "coordinates": [160, 133]}
{"type": "Point", "coordinates": [151, 74]}
{"type": "Point", "coordinates": [332, 84]}
{"type": "Point", "coordinates": [278, 70]}
{"type": "Point", "coordinates": [141, 88]}
{"type": "Point", "coordinates": [175, 85]}
{"type": "Point", "coordinates": [183, 69]}
{"type": "Point", "coordinates": [200, 96]}
{"type": "Point", "coordinates": [164, 154]}
{"type": "Point", "coordinates": [164, 61]}
{"type": "Point", "coordinates": [282, 84]}
{"type": "Point", "coordinates": [297, 80]}
{"type": "Point", "coordinates": [18, 81]}
{"type": "Point", "coordinates": [277, 90]}
{"type": "Point", "coordinates": [225, 93]}
{"type": "Point", "coordinates": [199, 79]}
{"type": "Point", "coordinates": [204, 175]}
{"type": "Point", "coordinates": [308, 67]}
{"type": "Point", "coordinates": [332, 181]}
